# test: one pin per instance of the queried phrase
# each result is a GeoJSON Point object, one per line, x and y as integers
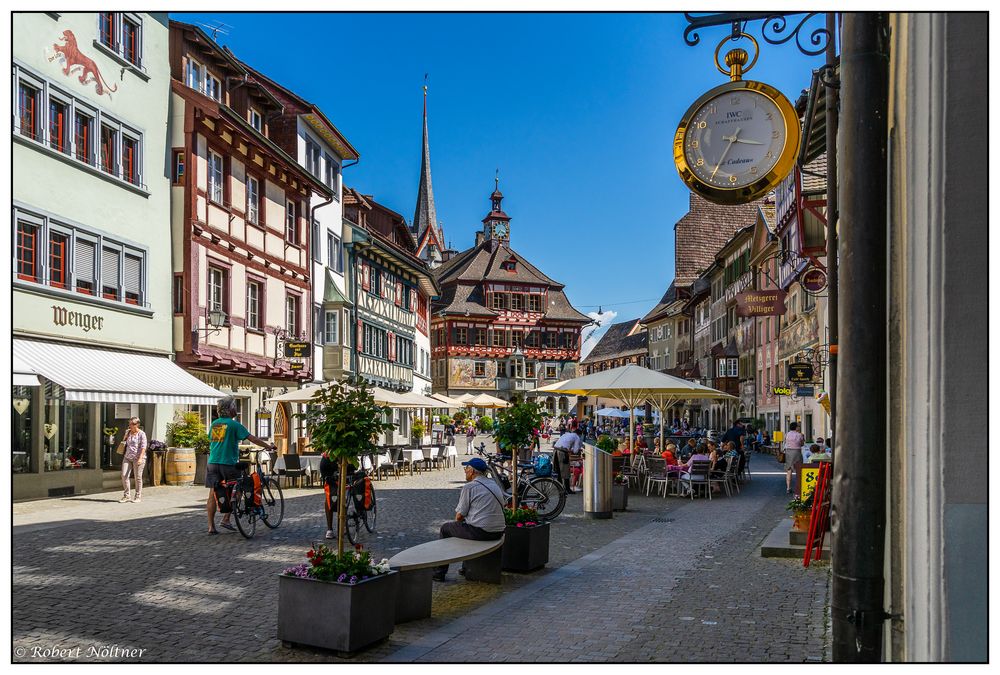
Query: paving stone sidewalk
{"type": "Point", "coordinates": [644, 586]}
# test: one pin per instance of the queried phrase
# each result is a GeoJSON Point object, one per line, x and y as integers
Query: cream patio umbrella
{"type": "Point", "coordinates": [447, 402]}
{"type": "Point", "coordinates": [486, 401]}
{"type": "Point", "coordinates": [382, 397]}
{"type": "Point", "coordinates": [634, 385]}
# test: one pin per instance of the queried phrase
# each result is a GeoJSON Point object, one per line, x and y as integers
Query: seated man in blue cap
{"type": "Point", "coordinates": [479, 514]}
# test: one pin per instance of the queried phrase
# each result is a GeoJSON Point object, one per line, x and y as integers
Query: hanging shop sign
{"type": "Point", "coordinates": [760, 303]}
{"type": "Point", "coordinates": [296, 365]}
{"type": "Point", "coordinates": [781, 391]}
{"type": "Point", "coordinates": [738, 140]}
{"type": "Point", "coordinates": [800, 373]}
{"type": "Point", "coordinates": [297, 350]}
{"type": "Point", "coordinates": [813, 280]}
{"type": "Point", "coordinates": [805, 392]}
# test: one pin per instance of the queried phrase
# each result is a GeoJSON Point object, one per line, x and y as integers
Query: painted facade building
{"type": "Point", "coordinates": [501, 325]}
{"type": "Point", "coordinates": [241, 216]}
{"type": "Point", "coordinates": [91, 247]}
{"type": "Point", "coordinates": [763, 260]}
{"type": "Point", "coordinates": [303, 131]}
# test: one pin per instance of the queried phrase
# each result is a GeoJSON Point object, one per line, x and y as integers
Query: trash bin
{"type": "Point", "coordinates": [596, 482]}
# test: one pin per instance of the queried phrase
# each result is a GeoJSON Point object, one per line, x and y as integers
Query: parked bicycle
{"type": "Point", "coordinates": [252, 496]}
{"type": "Point", "coordinates": [543, 494]}
{"type": "Point", "coordinates": [361, 507]}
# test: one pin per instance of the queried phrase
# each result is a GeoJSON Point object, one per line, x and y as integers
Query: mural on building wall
{"type": "Point", "coordinates": [803, 333]}
{"type": "Point", "coordinates": [463, 374]}
{"type": "Point", "coordinates": [72, 58]}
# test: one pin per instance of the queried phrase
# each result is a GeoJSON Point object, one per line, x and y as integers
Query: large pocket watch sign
{"type": "Point", "coordinates": [738, 140]}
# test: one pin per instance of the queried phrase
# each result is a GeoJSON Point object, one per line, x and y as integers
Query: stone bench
{"type": "Point", "coordinates": [416, 569]}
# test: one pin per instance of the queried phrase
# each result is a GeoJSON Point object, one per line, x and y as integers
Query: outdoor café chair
{"type": "Point", "coordinates": [744, 468]}
{"type": "Point", "coordinates": [719, 476]}
{"type": "Point", "coordinates": [696, 477]}
{"type": "Point", "coordinates": [293, 469]}
{"type": "Point", "coordinates": [386, 462]}
{"type": "Point", "coordinates": [657, 475]}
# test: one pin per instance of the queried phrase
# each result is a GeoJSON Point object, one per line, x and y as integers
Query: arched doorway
{"type": "Point", "coordinates": [282, 427]}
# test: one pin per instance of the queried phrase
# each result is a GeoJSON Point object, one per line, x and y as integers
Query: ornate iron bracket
{"type": "Point", "coordinates": [776, 29]}
{"type": "Point", "coordinates": [783, 257]}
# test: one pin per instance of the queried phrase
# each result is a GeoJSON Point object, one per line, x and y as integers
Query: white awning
{"type": "Point", "coordinates": [114, 377]}
{"type": "Point", "coordinates": [22, 374]}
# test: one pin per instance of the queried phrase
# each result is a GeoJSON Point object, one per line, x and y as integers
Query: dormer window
{"type": "Point", "coordinates": [510, 264]}
{"type": "Point", "coordinates": [256, 119]}
{"type": "Point", "coordinates": [199, 79]}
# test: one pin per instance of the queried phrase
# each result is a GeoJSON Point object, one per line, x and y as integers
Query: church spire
{"type": "Point", "coordinates": [425, 217]}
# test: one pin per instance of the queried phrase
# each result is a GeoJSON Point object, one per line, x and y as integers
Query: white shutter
{"type": "Point", "coordinates": [133, 274]}
{"type": "Point", "coordinates": [84, 260]}
{"type": "Point", "coordinates": [109, 268]}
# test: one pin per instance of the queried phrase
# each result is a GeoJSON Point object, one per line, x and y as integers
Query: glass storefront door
{"type": "Point", "coordinates": [20, 424]}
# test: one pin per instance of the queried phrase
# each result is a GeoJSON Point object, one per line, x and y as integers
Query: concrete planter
{"type": "Point", "coordinates": [200, 468]}
{"type": "Point", "coordinates": [341, 617]}
{"type": "Point", "coordinates": [619, 497]}
{"type": "Point", "coordinates": [525, 549]}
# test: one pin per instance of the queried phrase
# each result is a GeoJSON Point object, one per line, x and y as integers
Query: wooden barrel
{"type": "Point", "coordinates": [180, 466]}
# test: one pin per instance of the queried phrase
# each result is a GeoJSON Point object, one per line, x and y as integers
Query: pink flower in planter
{"type": "Point", "coordinates": [520, 524]}
{"type": "Point", "coordinates": [531, 524]}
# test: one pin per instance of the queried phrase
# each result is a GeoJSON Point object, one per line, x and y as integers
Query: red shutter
{"type": "Point", "coordinates": [399, 293]}
{"type": "Point", "coordinates": [361, 335]}
{"type": "Point", "coordinates": [366, 281]}
{"type": "Point", "coordinates": [413, 299]}
{"type": "Point", "coordinates": [392, 346]}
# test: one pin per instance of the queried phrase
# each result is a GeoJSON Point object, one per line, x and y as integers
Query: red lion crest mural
{"type": "Point", "coordinates": [72, 58]}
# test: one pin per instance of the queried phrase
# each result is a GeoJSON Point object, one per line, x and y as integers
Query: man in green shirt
{"type": "Point", "coordinates": [225, 434]}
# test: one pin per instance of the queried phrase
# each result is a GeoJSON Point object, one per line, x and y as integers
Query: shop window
{"type": "Point", "coordinates": [479, 369]}
{"type": "Point", "coordinates": [22, 413]}
{"type": "Point", "coordinates": [69, 446]}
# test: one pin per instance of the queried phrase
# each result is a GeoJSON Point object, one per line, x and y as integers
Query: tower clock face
{"type": "Point", "coordinates": [500, 230]}
{"type": "Point", "coordinates": [737, 142]}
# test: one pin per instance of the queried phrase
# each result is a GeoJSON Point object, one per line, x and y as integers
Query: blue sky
{"type": "Point", "coordinates": [578, 111]}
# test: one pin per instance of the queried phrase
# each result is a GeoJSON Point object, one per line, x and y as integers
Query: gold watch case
{"type": "Point", "coordinates": [760, 187]}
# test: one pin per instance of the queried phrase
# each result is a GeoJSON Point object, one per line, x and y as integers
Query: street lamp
{"type": "Point", "coordinates": [216, 319]}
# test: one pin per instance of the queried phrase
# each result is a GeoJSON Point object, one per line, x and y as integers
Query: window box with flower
{"type": "Point", "coordinates": [338, 601]}
{"type": "Point", "coordinates": [619, 493]}
{"type": "Point", "coordinates": [526, 541]}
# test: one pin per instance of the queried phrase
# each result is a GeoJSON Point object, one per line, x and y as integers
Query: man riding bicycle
{"type": "Point", "coordinates": [225, 434]}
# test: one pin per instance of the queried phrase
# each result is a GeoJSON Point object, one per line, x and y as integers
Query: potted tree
{"type": "Point", "coordinates": [485, 424]}
{"type": "Point", "coordinates": [319, 605]}
{"type": "Point", "coordinates": [417, 430]}
{"type": "Point", "coordinates": [186, 438]}
{"type": "Point", "coordinates": [526, 541]}
{"type": "Point", "coordinates": [517, 429]}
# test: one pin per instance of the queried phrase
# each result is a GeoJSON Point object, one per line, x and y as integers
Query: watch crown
{"type": "Point", "coordinates": [736, 59]}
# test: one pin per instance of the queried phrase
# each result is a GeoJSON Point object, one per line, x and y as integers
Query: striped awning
{"type": "Point", "coordinates": [106, 376]}
{"type": "Point", "coordinates": [22, 374]}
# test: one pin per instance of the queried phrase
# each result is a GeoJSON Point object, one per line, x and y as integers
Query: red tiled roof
{"type": "Point", "coordinates": [702, 231]}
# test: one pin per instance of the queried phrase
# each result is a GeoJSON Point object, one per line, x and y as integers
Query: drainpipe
{"type": "Point", "coordinates": [858, 512]}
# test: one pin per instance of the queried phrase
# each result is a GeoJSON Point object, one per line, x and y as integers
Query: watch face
{"type": "Point", "coordinates": [734, 139]}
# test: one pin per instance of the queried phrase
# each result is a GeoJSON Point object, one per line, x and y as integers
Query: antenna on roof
{"type": "Point", "coordinates": [215, 28]}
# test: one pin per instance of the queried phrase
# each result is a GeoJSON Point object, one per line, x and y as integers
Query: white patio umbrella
{"type": "Point", "coordinates": [610, 412]}
{"type": "Point", "coordinates": [382, 397]}
{"type": "Point", "coordinates": [634, 385]}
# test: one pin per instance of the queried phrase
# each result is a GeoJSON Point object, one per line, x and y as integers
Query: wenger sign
{"type": "Point", "coordinates": [760, 303]}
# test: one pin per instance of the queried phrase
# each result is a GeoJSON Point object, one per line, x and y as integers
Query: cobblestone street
{"type": "Point", "coordinates": [669, 580]}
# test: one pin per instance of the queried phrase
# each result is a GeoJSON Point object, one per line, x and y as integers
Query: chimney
{"type": "Point", "coordinates": [480, 237]}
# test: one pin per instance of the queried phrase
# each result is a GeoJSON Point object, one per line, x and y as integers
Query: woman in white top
{"type": "Point", "coordinates": [134, 461]}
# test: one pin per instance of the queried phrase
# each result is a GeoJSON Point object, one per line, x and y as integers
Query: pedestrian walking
{"type": "Point", "coordinates": [794, 441]}
{"type": "Point", "coordinates": [134, 460]}
{"type": "Point", "coordinates": [470, 438]}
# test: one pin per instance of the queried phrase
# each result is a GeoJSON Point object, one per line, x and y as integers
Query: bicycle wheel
{"type": "Point", "coordinates": [371, 513]}
{"type": "Point", "coordinates": [243, 514]}
{"type": "Point", "coordinates": [353, 524]}
{"type": "Point", "coordinates": [272, 502]}
{"type": "Point", "coordinates": [546, 496]}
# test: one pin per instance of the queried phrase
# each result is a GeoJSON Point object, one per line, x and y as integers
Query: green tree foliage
{"type": "Point", "coordinates": [485, 424]}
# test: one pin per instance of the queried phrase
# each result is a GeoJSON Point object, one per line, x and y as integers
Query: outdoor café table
{"type": "Point", "coordinates": [451, 453]}
{"type": "Point", "coordinates": [412, 455]}
{"type": "Point", "coordinates": [308, 462]}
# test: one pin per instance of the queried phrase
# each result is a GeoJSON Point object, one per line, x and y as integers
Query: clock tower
{"type": "Point", "coordinates": [496, 224]}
